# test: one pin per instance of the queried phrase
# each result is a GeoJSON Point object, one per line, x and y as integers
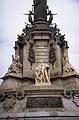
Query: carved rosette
{"type": "Point", "coordinates": [20, 95]}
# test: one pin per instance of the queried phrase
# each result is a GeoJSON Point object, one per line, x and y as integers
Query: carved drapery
{"type": "Point", "coordinates": [42, 74]}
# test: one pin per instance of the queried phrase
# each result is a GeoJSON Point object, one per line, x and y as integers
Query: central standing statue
{"type": "Point", "coordinates": [40, 10]}
{"type": "Point", "coordinates": [42, 74]}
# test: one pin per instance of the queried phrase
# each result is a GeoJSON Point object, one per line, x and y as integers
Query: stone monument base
{"type": "Point", "coordinates": [40, 116]}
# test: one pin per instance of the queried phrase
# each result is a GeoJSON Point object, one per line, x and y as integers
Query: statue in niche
{"type": "Point", "coordinates": [42, 74]}
{"type": "Point", "coordinates": [15, 67]}
{"type": "Point", "coordinates": [40, 10]}
{"type": "Point", "coordinates": [52, 54]}
{"type": "Point", "coordinates": [31, 56]}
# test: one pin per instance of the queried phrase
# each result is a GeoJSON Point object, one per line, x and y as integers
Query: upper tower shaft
{"type": "Point", "coordinates": [40, 10]}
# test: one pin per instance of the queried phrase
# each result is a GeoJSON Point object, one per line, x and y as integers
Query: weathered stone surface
{"type": "Point", "coordinates": [42, 115]}
{"type": "Point", "coordinates": [57, 93]}
{"type": "Point", "coordinates": [44, 102]}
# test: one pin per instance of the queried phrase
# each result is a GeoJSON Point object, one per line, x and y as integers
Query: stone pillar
{"type": "Point", "coordinates": [28, 70]}
{"type": "Point", "coordinates": [26, 63]}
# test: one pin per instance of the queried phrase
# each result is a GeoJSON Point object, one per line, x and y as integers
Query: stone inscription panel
{"type": "Point", "coordinates": [44, 102]}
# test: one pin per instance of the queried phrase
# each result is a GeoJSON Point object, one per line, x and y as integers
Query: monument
{"type": "Point", "coordinates": [40, 84]}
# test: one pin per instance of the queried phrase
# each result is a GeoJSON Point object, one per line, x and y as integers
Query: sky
{"type": "Point", "coordinates": [12, 21]}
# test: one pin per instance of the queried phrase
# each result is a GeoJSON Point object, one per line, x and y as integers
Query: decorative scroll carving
{"type": "Point", "coordinates": [44, 102]}
{"type": "Point", "coordinates": [42, 74]}
{"type": "Point", "coordinates": [73, 95]}
{"type": "Point", "coordinates": [31, 56]}
{"type": "Point", "coordinates": [2, 97]}
{"type": "Point", "coordinates": [68, 69]}
{"type": "Point", "coordinates": [52, 54]}
{"type": "Point", "coordinates": [12, 94]}
{"type": "Point", "coordinates": [67, 94]}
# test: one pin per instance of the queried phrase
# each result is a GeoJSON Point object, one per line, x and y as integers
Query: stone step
{"type": "Point", "coordinates": [41, 50]}
{"type": "Point", "coordinates": [40, 60]}
{"type": "Point", "coordinates": [42, 47]}
{"type": "Point", "coordinates": [43, 57]}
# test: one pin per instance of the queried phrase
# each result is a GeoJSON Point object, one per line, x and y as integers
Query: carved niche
{"type": "Point", "coordinates": [31, 54]}
{"type": "Point", "coordinates": [52, 54]}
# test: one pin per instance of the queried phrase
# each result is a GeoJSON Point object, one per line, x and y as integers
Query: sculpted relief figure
{"type": "Point", "coordinates": [15, 67]}
{"type": "Point", "coordinates": [67, 67]}
{"type": "Point", "coordinates": [42, 74]}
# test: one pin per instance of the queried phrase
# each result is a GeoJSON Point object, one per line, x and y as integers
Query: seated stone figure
{"type": "Point", "coordinates": [42, 74]}
{"type": "Point", "coordinates": [15, 67]}
{"type": "Point", "coordinates": [67, 67]}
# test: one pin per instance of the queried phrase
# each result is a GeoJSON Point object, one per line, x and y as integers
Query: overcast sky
{"type": "Point", "coordinates": [12, 21]}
